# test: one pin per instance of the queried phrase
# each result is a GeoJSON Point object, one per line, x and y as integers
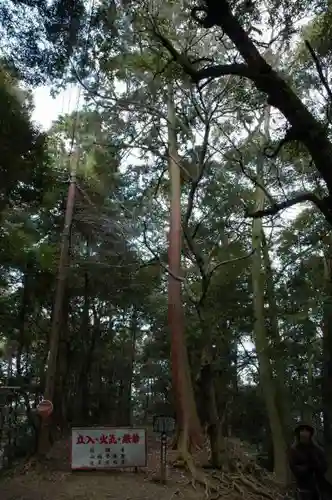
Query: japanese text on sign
{"type": "Point", "coordinates": [94, 448]}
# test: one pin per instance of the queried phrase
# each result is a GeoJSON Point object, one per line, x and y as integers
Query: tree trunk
{"type": "Point", "coordinates": [22, 342]}
{"type": "Point", "coordinates": [261, 340]}
{"type": "Point", "coordinates": [214, 429]}
{"type": "Point", "coordinates": [190, 433]}
{"type": "Point", "coordinates": [327, 358]}
{"type": "Point", "coordinates": [44, 434]}
{"type": "Point", "coordinates": [277, 352]}
{"type": "Point", "coordinates": [59, 417]}
{"type": "Point", "coordinates": [128, 380]}
{"type": "Point", "coordinates": [309, 409]}
{"type": "Point", "coordinates": [88, 345]}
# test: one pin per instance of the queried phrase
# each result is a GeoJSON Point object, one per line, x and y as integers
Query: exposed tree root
{"type": "Point", "coordinates": [256, 488]}
{"type": "Point", "coordinates": [241, 477]}
{"type": "Point", "coordinates": [185, 459]}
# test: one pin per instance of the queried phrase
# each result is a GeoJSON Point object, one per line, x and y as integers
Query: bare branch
{"type": "Point", "coordinates": [201, 169]}
{"type": "Point", "coordinates": [159, 182]}
{"type": "Point", "coordinates": [190, 238]}
{"type": "Point", "coordinates": [280, 95]}
{"type": "Point", "coordinates": [216, 71]}
{"type": "Point", "coordinates": [237, 69]}
{"type": "Point", "coordinates": [178, 278]}
{"type": "Point", "coordinates": [240, 161]}
{"type": "Point", "coordinates": [230, 261]}
{"type": "Point", "coordinates": [319, 68]}
{"type": "Point", "coordinates": [321, 203]}
{"type": "Point", "coordinates": [177, 57]}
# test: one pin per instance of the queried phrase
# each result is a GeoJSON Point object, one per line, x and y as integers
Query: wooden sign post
{"type": "Point", "coordinates": [165, 426]}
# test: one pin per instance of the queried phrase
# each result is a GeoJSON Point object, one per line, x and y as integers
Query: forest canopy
{"type": "Point", "coordinates": [150, 261]}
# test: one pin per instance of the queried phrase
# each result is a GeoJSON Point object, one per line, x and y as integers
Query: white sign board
{"type": "Point", "coordinates": [108, 448]}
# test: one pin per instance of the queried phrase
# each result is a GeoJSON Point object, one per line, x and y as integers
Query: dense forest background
{"type": "Point", "coordinates": [147, 264]}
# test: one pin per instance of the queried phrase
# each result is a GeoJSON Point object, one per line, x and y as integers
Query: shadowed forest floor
{"type": "Point", "coordinates": [53, 480]}
{"type": "Point", "coordinates": [124, 486]}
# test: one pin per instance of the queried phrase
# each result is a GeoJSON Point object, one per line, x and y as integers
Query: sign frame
{"type": "Point", "coordinates": [107, 429]}
{"type": "Point", "coordinates": [163, 429]}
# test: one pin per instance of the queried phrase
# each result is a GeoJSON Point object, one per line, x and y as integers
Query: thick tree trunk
{"type": "Point", "coordinates": [190, 433]}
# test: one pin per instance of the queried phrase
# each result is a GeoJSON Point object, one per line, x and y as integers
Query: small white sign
{"type": "Point", "coordinates": [108, 448]}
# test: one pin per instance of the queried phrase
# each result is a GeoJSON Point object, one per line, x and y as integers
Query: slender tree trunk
{"type": "Point", "coordinates": [261, 339]}
{"type": "Point", "coordinates": [277, 352]}
{"type": "Point", "coordinates": [87, 350]}
{"type": "Point", "coordinates": [127, 393]}
{"type": "Point", "coordinates": [190, 433]}
{"type": "Point", "coordinates": [59, 417]}
{"type": "Point", "coordinates": [262, 347]}
{"type": "Point", "coordinates": [214, 389]}
{"type": "Point", "coordinates": [44, 434]}
{"type": "Point", "coordinates": [214, 424]}
{"type": "Point", "coordinates": [327, 357]}
{"type": "Point", "coordinates": [309, 407]}
{"type": "Point", "coordinates": [22, 319]}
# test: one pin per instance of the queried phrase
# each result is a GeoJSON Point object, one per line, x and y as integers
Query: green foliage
{"type": "Point", "coordinates": [318, 32]}
{"type": "Point", "coordinates": [41, 36]}
{"type": "Point", "coordinates": [114, 341]}
{"type": "Point", "coordinates": [22, 149]}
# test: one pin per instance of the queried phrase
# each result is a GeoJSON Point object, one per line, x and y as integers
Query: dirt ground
{"type": "Point", "coordinates": [92, 485]}
{"type": "Point", "coordinates": [53, 480]}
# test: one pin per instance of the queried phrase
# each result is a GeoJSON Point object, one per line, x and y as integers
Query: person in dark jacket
{"type": "Point", "coordinates": [308, 463]}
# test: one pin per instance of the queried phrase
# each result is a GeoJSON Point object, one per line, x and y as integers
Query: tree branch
{"type": "Point", "coordinates": [177, 57]}
{"type": "Point", "coordinates": [230, 261]}
{"type": "Point", "coordinates": [201, 168]}
{"type": "Point", "coordinates": [321, 203]}
{"type": "Point", "coordinates": [238, 69]}
{"type": "Point", "coordinates": [216, 71]}
{"type": "Point", "coordinates": [319, 69]}
{"type": "Point", "coordinates": [308, 130]}
{"type": "Point", "coordinates": [280, 95]}
{"type": "Point", "coordinates": [178, 278]}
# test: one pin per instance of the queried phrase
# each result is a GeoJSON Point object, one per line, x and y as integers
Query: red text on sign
{"type": "Point", "coordinates": [108, 439]}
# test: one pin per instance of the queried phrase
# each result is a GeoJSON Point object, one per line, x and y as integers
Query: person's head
{"type": "Point", "coordinates": [304, 433]}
